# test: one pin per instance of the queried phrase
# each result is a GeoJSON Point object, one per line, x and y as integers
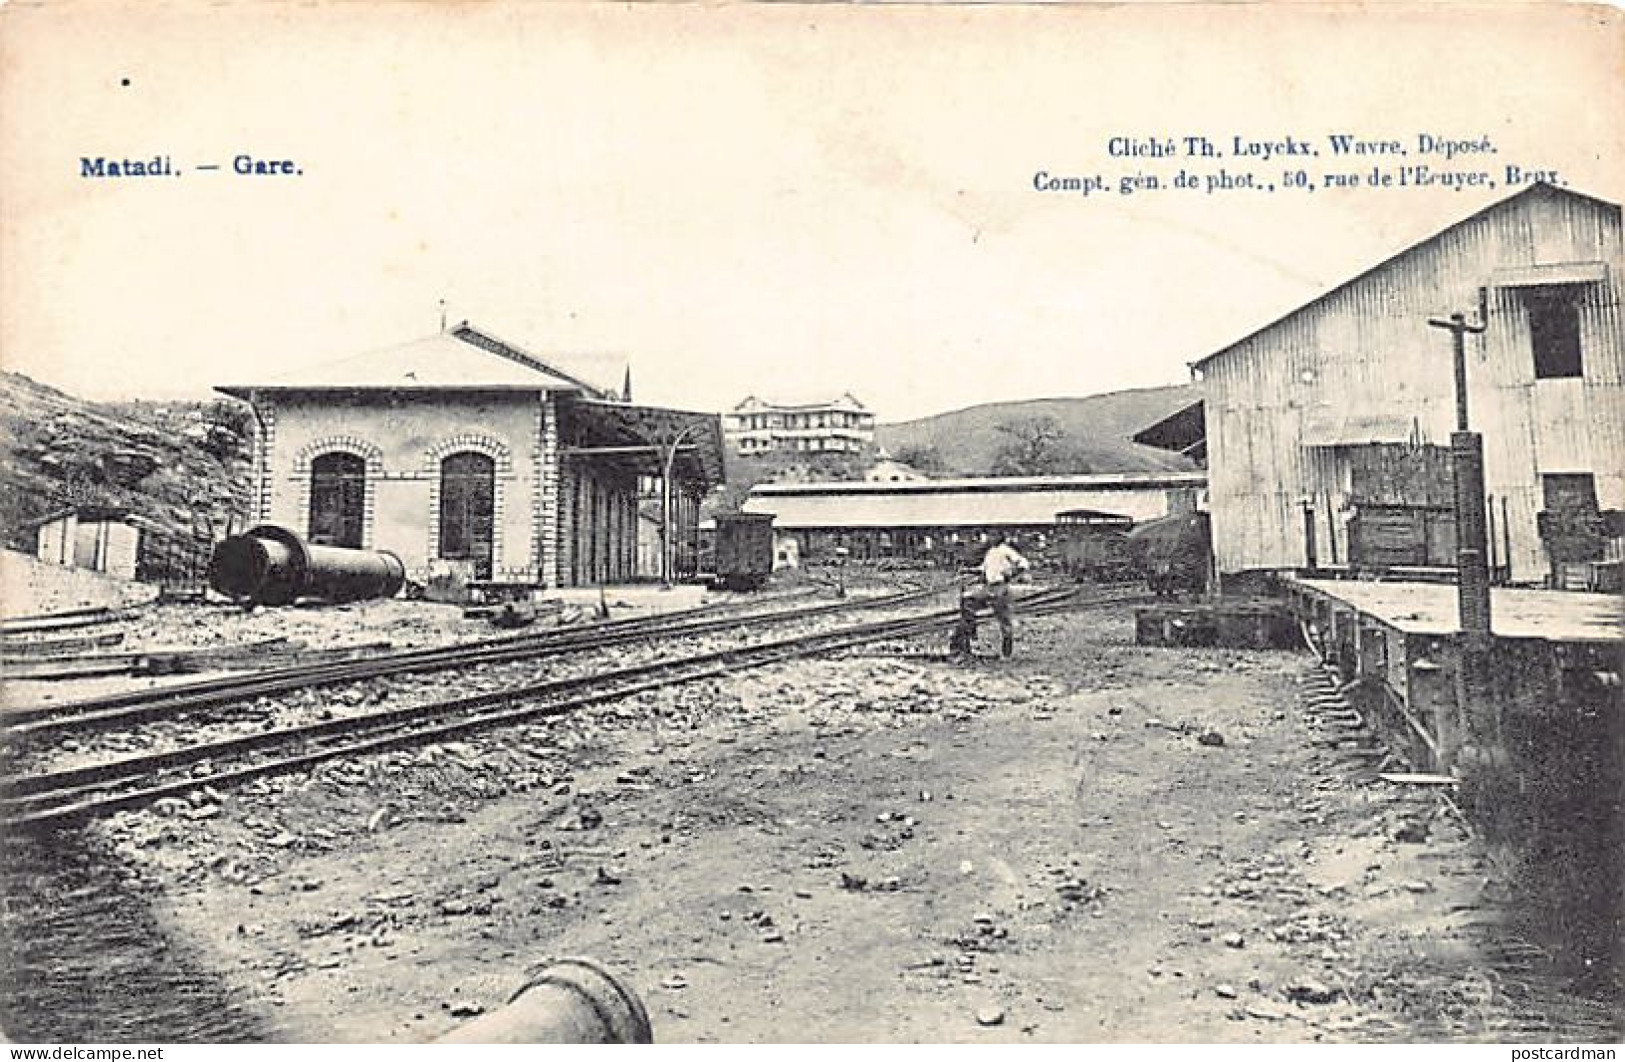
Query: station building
{"type": "Point", "coordinates": [463, 447]}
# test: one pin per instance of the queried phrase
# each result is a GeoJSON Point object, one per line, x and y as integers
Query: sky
{"type": "Point", "coordinates": [789, 200]}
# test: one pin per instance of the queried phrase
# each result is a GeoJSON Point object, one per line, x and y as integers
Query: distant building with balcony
{"type": "Point", "coordinates": [840, 426]}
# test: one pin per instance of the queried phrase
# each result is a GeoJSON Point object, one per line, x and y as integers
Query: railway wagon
{"type": "Point", "coordinates": [1092, 546]}
{"type": "Point", "coordinates": [1172, 554]}
{"type": "Point", "coordinates": [743, 551]}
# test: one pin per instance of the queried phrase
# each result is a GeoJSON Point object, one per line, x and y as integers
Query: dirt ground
{"type": "Point", "coordinates": [881, 848]}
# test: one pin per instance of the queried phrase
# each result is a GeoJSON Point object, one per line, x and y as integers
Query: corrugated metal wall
{"type": "Point", "coordinates": [1367, 349]}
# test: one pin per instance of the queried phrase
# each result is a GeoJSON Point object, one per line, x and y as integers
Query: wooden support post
{"type": "Point", "coordinates": [1371, 649]}
{"type": "Point", "coordinates": [1431, 698]}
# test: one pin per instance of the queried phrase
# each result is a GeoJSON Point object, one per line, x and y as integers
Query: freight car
{"type": "Point", "coordinates": [1092, 546]}
{"type": "Point", "coordinates": [1172, 554]}
{"type": "Point", "coordinates": [742, 554]}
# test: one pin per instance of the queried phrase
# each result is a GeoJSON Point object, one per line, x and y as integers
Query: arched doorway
{"type": "Point", "coordinates": [467, 502]}
{"type": "Point", "coordinates": [338, 494]}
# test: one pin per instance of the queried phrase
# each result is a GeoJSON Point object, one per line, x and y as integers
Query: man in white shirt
{"type": "Point", "coordinates": [1001, 566]}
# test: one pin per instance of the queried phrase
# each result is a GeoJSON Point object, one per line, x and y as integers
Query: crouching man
{"type": "Point", "coordinates": [1001, 566]}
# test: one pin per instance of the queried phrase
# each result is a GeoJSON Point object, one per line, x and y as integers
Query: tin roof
{"type": "Point", "coordinates": [940, 510]}
{"type": "Point", "coordinates": [990, 484]}
{"type": "Point", "coordinates": [1539, 188]}
{"type": "Point", "coordinates": [463, 358]}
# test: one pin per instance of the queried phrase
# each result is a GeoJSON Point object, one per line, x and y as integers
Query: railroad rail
{"type": "Point", "coordinates": [67, 796]}
{"type": "Point", "coordinates": [71, 619]}
{"type": "Point", "coordinates": [140, 705]}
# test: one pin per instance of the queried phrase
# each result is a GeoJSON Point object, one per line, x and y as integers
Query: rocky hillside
{"type": "Point", "coordinates": [1094, 432]}
{"type": "Point", "coordinates": [186, 466]}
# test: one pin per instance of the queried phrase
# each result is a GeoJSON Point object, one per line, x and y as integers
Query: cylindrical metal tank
{"type": "Point", "coordinates": [271, 565]}
{"type": "Point", "coordinates": [568, 1001]}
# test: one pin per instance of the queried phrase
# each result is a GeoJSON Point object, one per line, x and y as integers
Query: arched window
{"type": "Point", "coordinates": [338, 491]}
{"type": "Point", "coordinates": [467, 504]}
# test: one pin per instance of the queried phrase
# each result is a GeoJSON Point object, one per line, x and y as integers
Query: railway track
{"type": "Point", "coordinates": [31, 722]}
{"type": "Point", "coordinates": [63, 797]}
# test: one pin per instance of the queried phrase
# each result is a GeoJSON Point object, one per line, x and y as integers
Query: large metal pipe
{"type": "Point", "coordinates": [271, 565]}
{"type": "Point", "coordinates": [568, 1001]}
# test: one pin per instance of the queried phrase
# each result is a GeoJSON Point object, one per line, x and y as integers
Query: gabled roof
{"type": "Point", "coordinates": [595, 364]}
{"type": "Point", "coordinates": [90, 514]}
{"type": "Point", "coordinates": [1537, 189]}
{"type": "Point", "coordinates": [845, 400]}
{"type": "Point", "coordinates": [463, 358]}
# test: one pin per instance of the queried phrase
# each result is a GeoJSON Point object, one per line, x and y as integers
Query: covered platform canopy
{"type": "Point", "coordinates": [641, 438]}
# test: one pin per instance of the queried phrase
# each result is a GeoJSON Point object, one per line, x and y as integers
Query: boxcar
{"type": "Point", "coordinates": [743, 554]}
{"type": "Point", "coordinates": [1092, 546]}
{"type": "Point", "coordinates": [1172, 554]}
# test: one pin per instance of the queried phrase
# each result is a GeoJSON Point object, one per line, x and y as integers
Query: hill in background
{"type": "Point", "coordinates": [186, 466]}
{"type": "Point", "coordinates": [1095, 430]}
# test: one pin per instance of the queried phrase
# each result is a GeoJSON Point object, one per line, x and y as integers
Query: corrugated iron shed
{"type": "Point", "coordinates": [967, 503]}
{"type": "Point", "coordinates": [1287, 406]}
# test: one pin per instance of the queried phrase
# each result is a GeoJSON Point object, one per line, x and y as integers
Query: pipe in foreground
{"type": "Point", "coordinates": [271, 565]}
{"type": "Point", "coordinates": [567, 1001]}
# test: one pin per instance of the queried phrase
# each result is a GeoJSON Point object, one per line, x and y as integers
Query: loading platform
{"type": "Point", "coordinates": [1555, 659]}
{"type": "Point", "coordinates": [1428, 608]}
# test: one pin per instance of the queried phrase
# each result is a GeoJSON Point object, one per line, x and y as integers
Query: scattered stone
{"type": "Point", "coordinates": [1412, 833]}
{"type": "Point", "coordinates": [606, 876]}
{"type": "Point", "coordinates": [772, 936]}
{"type": "Point", "coordinates": [1211, 738]}
{"type": "Point", "coordinates": [1419, 886]}
{"type": "Point", "coordinates": [1310, 992]}
{"type": "Point", "coordinates": [1225, 991]}
{"type": "Point", "coordinates": [675, 981]}
{"type": "Point", "coordinates": [1234, 940]}
{"type": "Point", "coordinates": [379, 818]}
{"type": "Point", "coordinates": [989, 1016]}
{"type": "Point", "coordinates": [466, 1010]}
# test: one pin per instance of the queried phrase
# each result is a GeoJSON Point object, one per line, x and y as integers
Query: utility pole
{"type": "Point", "coordinates": [1472, 570]}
